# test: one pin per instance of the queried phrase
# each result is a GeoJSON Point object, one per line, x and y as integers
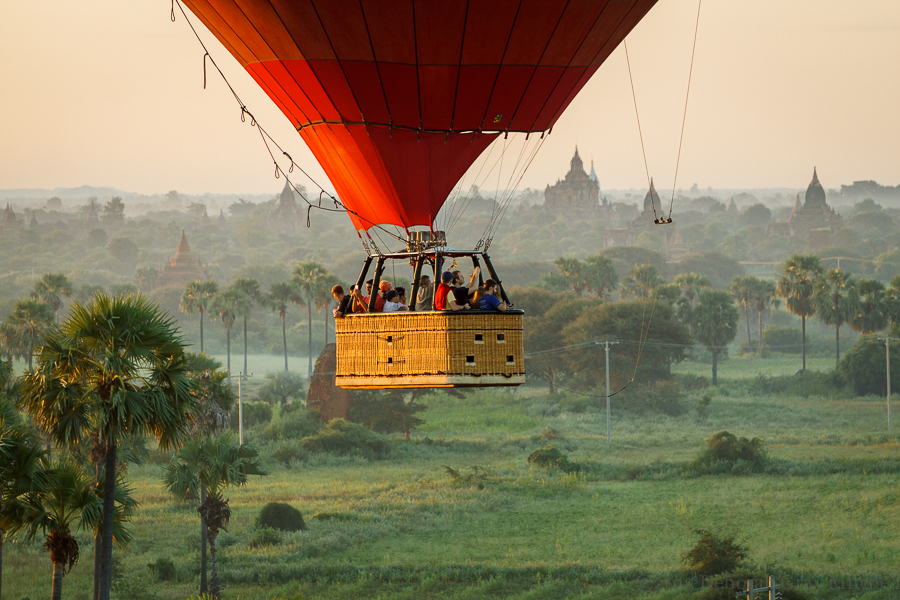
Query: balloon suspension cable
{"type": "Point", "coordinates": [684, 116]}
{"type": "Point", "coordinates": [268, 140]}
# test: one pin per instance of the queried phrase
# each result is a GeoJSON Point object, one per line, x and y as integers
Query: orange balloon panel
{"type": "Point", "coordinates": [397, 98]}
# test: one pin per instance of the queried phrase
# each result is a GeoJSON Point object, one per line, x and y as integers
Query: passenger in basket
{"type": "Point", "coordinates": [362, 304]}
{"type": "Point", "coordinates": [490, 301]}
{"type": "Point", "coordinates": [385, 286]}
{"type": "Point", "coordinates": [391, 302]}
{"type": "Point", "coordinates": [401, 298]}
{"type": "Point", "coordinates": [344, 301]}
{"type": "Point", "coordinates": [462, 292]}
{"type": "Point", "coordinates": [443, 297]}
{"type": "Point", "coordinates": [425, 298]}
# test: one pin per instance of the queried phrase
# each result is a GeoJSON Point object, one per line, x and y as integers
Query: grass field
{"type": "Point", "coordinates": [825, 509]}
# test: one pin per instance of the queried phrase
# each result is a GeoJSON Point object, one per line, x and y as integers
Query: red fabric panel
{"type": "Point", "coordinates": [634, 16]}
{"type": "Point", "coordinates": [473, 94]}
{"type": "Point", "coordinates": [558, 98]}
{"type": "Point", "coordinates": [366, 85]}
{"type": "Point", "coordinates": [302, 22]}
{"type": "Point", "coordinates": [535, 97]}
{"type": "Point", "coordinates": [391, 30]}
{"type": "Point", "coordinates": [613, 16]}
{"type": "Point", "coordinates": [346, 29]}
{"type": "Point", "coordinates": [327, 88]}
{"type": "Point", "coordinates": [488, 25]}
{"type": "Point", "coordinates": [267, 24]}
{"type": "Point", "coordinates": [438, 85]}
{"type": "Point", "coordinates": [220, 28]}
{"type": "Point", "coordinates": [280, 86]}
{"type": "Point", "coordinates": [402, 90]}
{"type": "Point", "coordinates": [577, 20]}
{"type": "Point", "coordinates": [508, 91]}
{"type": "Point", "coordinates": [579, 83]}
{"type": "Point", "coordinates": [536, 23]}
{"type": "Point", "coordinates": [439, 31]}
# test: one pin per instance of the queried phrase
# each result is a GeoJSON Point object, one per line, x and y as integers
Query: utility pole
{"type": "Point", "coordinates": [241, 377]}
{"type": "Point", "coordinates": [606, 345]}
{"type": "Point", "coordinates": [887, 354]}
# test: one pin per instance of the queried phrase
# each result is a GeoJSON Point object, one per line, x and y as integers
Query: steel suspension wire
{"type": "Point", "coordinates": [268, 139]}
{"type": "Point", "coordinates": [640, 133]}
{"type": "Point", "coordinates": [684, 116]}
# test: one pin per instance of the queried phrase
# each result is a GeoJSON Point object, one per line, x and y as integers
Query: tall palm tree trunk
{"type": "Point", "coordinates": [803, 339]}
{"type": "Point", "coordinates": [759, 320]}
{"type": "Point", "coordinates": [284, 341]}
{"type": "Point", "coordinates": [309, 330]}
{"type": "Point", "coordinates": [201, 330]}
{"type": "Point", "coordinates": [109, 495]}
{"type": "Point", "coordinates": [837, 344]}
{"type": "Point", "coordinates": [58, 569]}
{"type": "Point", "coordinates": [228, 352]}
{"type": "Point", "coordinates": [747, 319]}
{"type": "Point", "coordinates": [215, 588]}
{"type": "Point", "coordinates": [245, 345]}
{"type": "Point", "coordinates": [203, 587]}
{"type": "Point", "coordinates": [715, 367]}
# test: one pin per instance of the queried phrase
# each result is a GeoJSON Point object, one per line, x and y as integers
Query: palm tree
{"type": "Point", "coordinates": [31, 318]}
{"type": "Point", "coordinates": [279, 297]}
{"type": "Point", "coordinates": [573, 271]}
{"type": "Point", "coordinates": [12, 343]}
{"type": "Point", "coordinates": [214, 464]}
{"type": "Point", "coordinates": [763, 297]}
{"type": "Point", "coordinates": [20, 460]}
{"type": "Point", "coordinates": [249, 288]}
{"type": "Point", "coordinates": [227, 304]}
{"type": "Point", "coordinates": [324, 299]}
{"type": "Point", "coordinates": [741, 289]}
{"type": "Point", "coordinates": [873, 307]}
{"type": "Point", "coordinates": [600, 276]}
{"type": "Point", "coordinates": [197, 296]}
{"type": "Point", "coordinates": [52, 288]}
{"type": "Point", "coordinates": [797, 287]}
{"type": "Point", "coordinates": [115, 366]}
{"type": "Point", "coordinates": [53, 509]}
{"type": "Point", "coordinates": [641, 282]}
{"type": "Point", "coordinates": [717, 321]}
{"type": "Point", "coordinates": [836, 301]}
{"type": "Point", "coordinates": [309, 277]}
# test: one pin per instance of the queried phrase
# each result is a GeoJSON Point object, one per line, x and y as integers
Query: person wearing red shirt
{"type": "Point", "coordinates": [443, 298]}
{"type": "Point", "coordinates": [362, 304]}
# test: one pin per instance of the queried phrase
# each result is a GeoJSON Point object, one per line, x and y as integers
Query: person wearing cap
{"type": "Point", "coordinates": [385, 286]}
{"type": "Point", "coordinates": [362, 303]}
{"type": "Point", "coordinates": [425, 297]}
{"type": "Point", "coordinates": [392, 302]}
{"type": "Point", "coordinates": [443, 296]}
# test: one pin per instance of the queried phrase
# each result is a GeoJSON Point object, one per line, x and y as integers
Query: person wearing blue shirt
{"type": "Point", "coordinates": [490, 301]}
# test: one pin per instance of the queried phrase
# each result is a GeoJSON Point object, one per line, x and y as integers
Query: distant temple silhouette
{"type": "Point", "coordinates": [814, 219]}
{"type": "Point", "coordinates": [183, 268]}
{"type": "Point", "coordinates": [577, 191]}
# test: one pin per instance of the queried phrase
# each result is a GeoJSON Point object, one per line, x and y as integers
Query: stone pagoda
{"type": "Point", "coordinates": [814, 219]}
{"type": "Point", "coordinates": [183, 268]}
{"type": "Point", "coordinates": [578, 191]}
{"type": "Point", "coordinates": [10, 224]}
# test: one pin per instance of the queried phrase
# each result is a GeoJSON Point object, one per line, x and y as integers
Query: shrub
{"type": "Point", "coordinates": [164, 569]}
{"type": "Point", "coordinates": [255, 413]}
{"type": "Point", "coordinates": [724, 450]}
{"type": "Point", "coordinates": [280, 516]}
{"type": "Point", "coordinates": [343, 437]}
{"type": "Point", "coordinates": [703, 405]}
{"type": "Point", "coordinates": [863, 366]}
{"type": "Point", "coordinates": [549, 433]}
{"type": "Point", "coordinates": [287, 454]}
{"type": "Point", "coordinates": [803, 384]}
{"type": "Point", "coordinates": [713, 554]}
{"type": "Point", "coordinates": [281, 387]}
{"type": "Point", "coordinates": [292, 426]}
{"type": "Point", "coordinates": [264, 537]}
{"type": "Point", "coordinates": [551, 457]}
{"type": "Point", "coordinates": [576, 404]}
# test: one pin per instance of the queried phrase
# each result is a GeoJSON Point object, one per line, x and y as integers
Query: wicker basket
{"type": "Point", "coordinates": [430, 349]}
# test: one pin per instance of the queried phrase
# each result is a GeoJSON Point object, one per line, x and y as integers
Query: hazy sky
{"type": "Point", "coordinates": [109, 92]}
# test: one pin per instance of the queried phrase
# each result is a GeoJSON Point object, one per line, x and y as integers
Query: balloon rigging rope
{"type": "Point", "coordinates": [684, 116]}
{"type": "Point", "coordinates": [268, 139]}
{"type": "Point", "coordinates": [640, 133]}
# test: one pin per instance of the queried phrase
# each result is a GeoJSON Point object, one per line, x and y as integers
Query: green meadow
{"type": "Point", "coordinates": [821, 514]}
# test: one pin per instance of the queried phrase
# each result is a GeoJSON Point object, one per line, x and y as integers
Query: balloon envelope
{"type": "Point", "coordinates": [397, 98]}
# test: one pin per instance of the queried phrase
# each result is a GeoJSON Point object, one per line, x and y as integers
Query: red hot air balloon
{"type": "Point", "coordinates": [397, 98]}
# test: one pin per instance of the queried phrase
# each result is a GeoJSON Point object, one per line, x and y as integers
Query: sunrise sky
{"type": "Point", "coordinates": [109, 93]}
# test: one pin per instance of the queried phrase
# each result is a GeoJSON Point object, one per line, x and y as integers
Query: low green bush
{"type": "Point", "coordinates": [714, 554]}
{"type": "Point", "coordinates": [803, 384]}
{"type": "Point", "coordinates": [863, 366]}
{"type": "Point", "coordinates": [164, 569]}
{"type": "Point", "coordinates": [343, 437]}
{"type": "Point", "coordinates": [292, 426]}
{"type": "Point", "coordinates": [255, 413]}
{"type": "Point", "coordinates": [264, 537]}
{"type": "Point", "coordinates": [551, 457]}
{"type": "Point", "coordinates": [288, 453]}
{"type": "Point", "coordinates": [280, 516]}
{"type": "Point", "coordinates": [725, 451]}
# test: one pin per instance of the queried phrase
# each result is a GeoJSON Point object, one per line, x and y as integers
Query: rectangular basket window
{"type": "Point", "coordinates": [501, 338]}
{"type": "Point", "coordinates": [390, 361]}
{"type": "Point", "coordinates": [479, 338]}
{"type": "Point", "coordinates": [510, 359]}
{"type": "Point", "coordinates": [470, 360]}
{"type": "Point", "coordinates": [390, 339]}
